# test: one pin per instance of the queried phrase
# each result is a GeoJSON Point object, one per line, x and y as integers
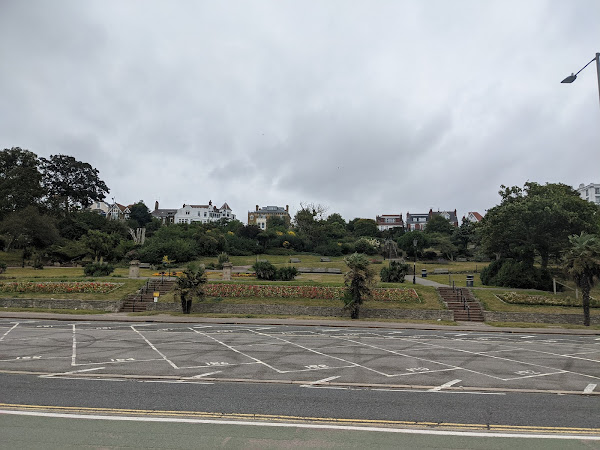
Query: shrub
{"type": "Point", "coordinates": [2, 267]}
{"type": "Point", "coordinates": [222, 259]}
{"type": "Point", "coordinates": [98, 270]}
{"type": "Point", "coordinates": [286, 273]}
{"type": "Point", "coordinates": [516, 274]}
{"type": "Point", "coordinates": [395, 273]}
{"type": "Point", "coordinates": [264, 270]}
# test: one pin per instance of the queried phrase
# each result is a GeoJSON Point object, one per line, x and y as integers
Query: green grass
{"type": "Point", "coordinates": [490, 302]}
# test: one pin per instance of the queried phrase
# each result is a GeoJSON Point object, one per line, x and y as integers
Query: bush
{"type": "Point", "coordinates": [286, 273]}
{"type": "Point", "coordinates": [222, 259]}
{"type": "Point", "coordinates": [2, 267]}
{"type": "Point", "coordinates": [395, 273]}
{"type": "Point", "coordinates": [98, 270]}
{"type": "Point", "coordinates": [264, 270]}
{"type": "Point", "coordinates": [516, 274]}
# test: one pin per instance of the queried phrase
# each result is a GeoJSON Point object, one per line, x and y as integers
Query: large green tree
{"type": "Point", "coordinates": [582, 262]}
{"type": "Point", "coordinates": [20, 180]}
{"type": "Point", "coordinates": [71, 184]}
{"type": "Point", "coordinates": [439, 224]}
{"type": "Point", "coordinates": [28, 228]}
{"type": "Point", "coordinates": [536, 221]}
{"type": "Point", "coordinates": [140, 214]}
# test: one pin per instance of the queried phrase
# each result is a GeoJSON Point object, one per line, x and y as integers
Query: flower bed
{"type": "Point", "coordinates": [529, 299]}
{"type": "Point", "coordinates": [60, 287]}
{"type": "Point", "coordinates": [316, 292]}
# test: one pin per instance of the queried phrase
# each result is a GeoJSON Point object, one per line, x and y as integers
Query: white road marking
{"type": "Point", "coordinates": [351, 364]}
{"type": "Point", "coordinates": [444, 386]}
{"type": "Point", "coordinates": [527, 337]}
{"type": "Point", "coordinates": [237, 351]}
{"type": "Point", "coordinates": [154, 348]}
{"type": "Point", "coordinates": [589, 388]}
{"type": "Point", "coordinates": [74, 347]}
{"type": "Point", "coordinates": [206, 374]}
{"type": "Point", "coordinates": [71, 372]}
{"type": "Point", "coordinates": [307, 425]}
{"type": "Point", "coordinates": [5, 334]}
{"type": "Point", "coordinates": [437, 392]}
{"type": "Point", "coordinates": [324, 380]}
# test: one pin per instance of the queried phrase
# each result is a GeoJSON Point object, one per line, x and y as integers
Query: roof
{"type": "Point", "coordinates": [476, 215]}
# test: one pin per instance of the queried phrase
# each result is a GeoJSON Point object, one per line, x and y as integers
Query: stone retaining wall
{"type": "Point", "coordinates": [298, 310]}
{"type": "Point", "coordinates": [574, 319]}
{"type": "Point", "coordinates": [47, 303]}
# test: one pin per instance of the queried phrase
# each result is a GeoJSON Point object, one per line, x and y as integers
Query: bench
{"type": "Point", "coordinates": [294, 260]}
{"type": "Point", "coordinates": [441, 271]}
{"type": "Point", "coordinates": [145, 266]}
{"type": "Point", "coordinates": [325, 259]}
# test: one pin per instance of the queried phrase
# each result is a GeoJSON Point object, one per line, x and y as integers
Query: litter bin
{"type": "Point", "coordinates": [423, 273]}
{"type": "Point", "coordinates": [470, 279]}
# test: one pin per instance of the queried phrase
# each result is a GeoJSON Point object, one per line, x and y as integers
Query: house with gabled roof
{"type": "Point", "coordinates": [450, 216]}
{"type": "Point", "coordinates": [203, 213]}
{"type": "Point", "coordinates": [473, 216]}
{"type": "Point", "coordinates": [116, 211]}
{"type": "Point", "coordinates": [165, 215]}
{"type": "Point", "coordinates": [389, 221]}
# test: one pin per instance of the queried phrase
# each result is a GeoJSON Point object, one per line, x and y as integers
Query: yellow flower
{"type": "Point", "coordinates": [291, 233]}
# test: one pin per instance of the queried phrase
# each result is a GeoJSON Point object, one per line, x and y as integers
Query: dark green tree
{"type": "Point", "coordinates": [366, 227]}
{"type": "Point", "coordinates": [71, 184]}
{"type": "Point", "coordinates": [439, 224]}
{"type": "Point", "coordinates": [536, 221]}
{"type": "Point", "coordinates": [139, 215]}
{"type": "Point", "coordinates": [359, 282]}
{"type": "Point", "coordinates": [20, 180]}
{"type": "Point", "coordinates": [582, 262]}
{"type": "Point", "coordinates": [28, 228]}
{"type": "Point", "coordinates": [405, 242]}
{"type": "Point", "coordinates": [190, 286]}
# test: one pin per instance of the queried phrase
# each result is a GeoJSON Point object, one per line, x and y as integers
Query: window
{"type": "Point", "coordinates": [204, 213]}
{"type": "Point", "coordinates": [597, 190]}
{"type": "Point", "coordinates": [187, 213]}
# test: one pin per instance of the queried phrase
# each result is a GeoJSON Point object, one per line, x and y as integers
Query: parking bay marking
{"type": "Point", "coordinates": [589, 388]}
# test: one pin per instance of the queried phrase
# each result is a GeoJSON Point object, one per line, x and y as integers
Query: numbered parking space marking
{"type": "Point", "coordinates": [8, 331]}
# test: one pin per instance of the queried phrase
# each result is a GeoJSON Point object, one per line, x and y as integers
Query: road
{"type": "Point", "coordinates": [401, 379]}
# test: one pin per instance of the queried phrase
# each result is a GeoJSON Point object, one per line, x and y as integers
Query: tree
{"type": "Point", "coordinates": [366, 227]}
{"type": "Point", "coordinates": [20, 180]}
{"type": "Point", "coordinates": [406, 242]}
{"type": "Point", "coordinates": [100, 244]}
{"type": "Point", "coordinates": [536, 220]}
{"type": "Point", "coordinates": [439, 224]}
{"type": "Point", "coordinates": [582, 262]}
{"type": "Point", "coordinates": [71, 184]}
{"type": "Point", "coordinates": [359, 282]}
{"type": "Point", "coordinates": [27, 227]}
{"type": "Point", "coordinates": [140, 214]}
{"type": "Point", "coordinates": [190, 286]}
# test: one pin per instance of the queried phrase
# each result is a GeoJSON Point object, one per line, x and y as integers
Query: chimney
{"type": "Point", "coordinates": [287, 208]}
{"type": "Point", "coordinates": [156, 205]}
{"type": "Point", "coordinates": [210, 203]}
{"type": "Point", "coordinates": [257, 207]}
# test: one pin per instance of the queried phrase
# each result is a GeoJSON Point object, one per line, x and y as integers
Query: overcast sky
{"type": "Point", "coordinates": [367, 107]}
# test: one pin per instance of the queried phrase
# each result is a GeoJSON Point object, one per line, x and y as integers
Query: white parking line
{"type": "Point", "coordinates": [324, 380]}
{"type": "Point", "coordinates": [153, 348]}
{"type": "Point", "coordinates": [5, 334]}
{"type": "Point", "coordinates": [71, 372]}
{"type": "Point", "coordinates": [444, 386]}
{"type": "Point", "coordinates": [206, 374]}
{"type": "Point", "coordinates": [589, 388]}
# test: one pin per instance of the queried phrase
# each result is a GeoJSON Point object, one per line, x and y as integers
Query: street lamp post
{"type": "Point", "coordinates": [415, 262]}
{"type": "Point", "coordinates": [573, 76]}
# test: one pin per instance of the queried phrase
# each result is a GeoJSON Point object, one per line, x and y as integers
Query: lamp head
{"type": "Point", "coordinates": [569, 79]}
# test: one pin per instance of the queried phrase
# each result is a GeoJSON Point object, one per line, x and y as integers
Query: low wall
{"type": "Point", "coordinates": [298, 310]}
{"type": "Point", "coordinates": [47, 303]}
{"type": "Point", "coordinates": [574, 319]}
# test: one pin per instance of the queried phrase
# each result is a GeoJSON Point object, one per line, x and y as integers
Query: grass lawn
{"type": "Point", "coordinates": [491, 302]}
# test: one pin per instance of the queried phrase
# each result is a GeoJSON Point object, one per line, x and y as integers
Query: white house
{"type": "Point", "coordinates": [203, 213]}
{"type": "Point", "coordinates": [591, 192]}
{"type": "Point", "coordinates": [100, 207]}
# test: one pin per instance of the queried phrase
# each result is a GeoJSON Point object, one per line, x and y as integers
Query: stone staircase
{"type": "Point", "coordinates": [462, 303]}
{"type": "Point", "coordinates": [140, 300]}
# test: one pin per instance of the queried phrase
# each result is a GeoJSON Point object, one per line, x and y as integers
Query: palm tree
{"type": "Point", "coordinates": [189, 286]}
{"type": "Point", "coordinates": [582, 262]}
{"type": "Point", "coordinates": [359, 280]}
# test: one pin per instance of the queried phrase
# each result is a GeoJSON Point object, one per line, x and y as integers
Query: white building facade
{"type": "Point", "coordinates": [591, 192]}
{"type": "Point", "coordinates": [203, 213]}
